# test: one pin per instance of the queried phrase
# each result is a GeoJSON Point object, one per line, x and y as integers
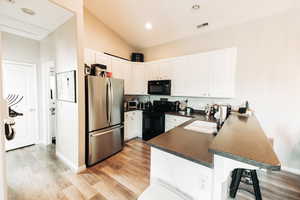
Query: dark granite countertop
{"type": "Point", "coordinates": [240, 138]}
{"type": "Point", "coordinates": [191, 115]}
{"type": "Point", "coordinates": [185, 143]}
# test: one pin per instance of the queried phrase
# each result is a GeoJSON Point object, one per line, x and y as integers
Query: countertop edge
{"type": "Point", "coordinates": [181, 155]}
{"type": "Point", "coordinates": [246, 160]}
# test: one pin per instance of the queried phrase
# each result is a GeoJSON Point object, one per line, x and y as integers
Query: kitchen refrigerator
{"type": "Point", "coordinates": [104, 118]}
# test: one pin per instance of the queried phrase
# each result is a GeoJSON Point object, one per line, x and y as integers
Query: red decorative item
{"type": "Point", "coordinates": [109, 74]}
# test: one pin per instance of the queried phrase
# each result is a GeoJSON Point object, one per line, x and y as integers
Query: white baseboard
{"type": "Point", "coordinates": [291, 170]}
{"type": "Point", "coordinates": [73, 167]}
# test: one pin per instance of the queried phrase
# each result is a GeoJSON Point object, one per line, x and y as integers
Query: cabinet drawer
{"type": "Point", "coordinates": [173, 121]}
{"type": "Point", "coordinates": [176, 119]}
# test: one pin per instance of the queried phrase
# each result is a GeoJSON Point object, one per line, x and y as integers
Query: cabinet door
{"type": "Point", "coordinates": [89, 57]}
{"type": "Point", "coordinates": [127, 127]}
{"type": "Point", "coordinates": [103, 59]}
{"type": "Point", "coordinates": [153, 71]}
{"type": "Point", "coordinates": [180, 77]}
{"type": "Point", "coordinates": [197, 75]}
{"type": "Point", "coordinates": [165, 70]}
{"type": "Point", "coordinates": [139, 120]}
{"type": "Point", "coordinates": [121, 69]}
{"type": "Point", "coordinates": [138, 79]}
{"type": "Point", "coordinates": [222, 64]}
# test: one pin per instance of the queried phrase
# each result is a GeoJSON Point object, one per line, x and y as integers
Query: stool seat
{"type": "Point", "coordinates": [160, 192]}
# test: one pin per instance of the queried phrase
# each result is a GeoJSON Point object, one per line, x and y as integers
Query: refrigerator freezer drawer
{"type": "Point", "coordinates": [105, 143]}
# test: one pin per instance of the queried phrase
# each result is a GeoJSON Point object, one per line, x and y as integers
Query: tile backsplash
{"type": "Point", "coordinates": [194, 102]}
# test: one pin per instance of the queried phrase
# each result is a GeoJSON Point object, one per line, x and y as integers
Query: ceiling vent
{"type": "Point", "coordinates": [202, 25]}
{"type": "Point", "coordinates": [28, 11]}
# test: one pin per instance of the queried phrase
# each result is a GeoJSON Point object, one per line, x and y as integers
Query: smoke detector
{"type": "Point", "coordinates": [28, 11]}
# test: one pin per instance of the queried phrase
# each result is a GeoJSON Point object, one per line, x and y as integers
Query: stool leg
{"type": "Point", "coordinates": [235, 182]}
{"type": "Point", "coordinates": [256, 185]}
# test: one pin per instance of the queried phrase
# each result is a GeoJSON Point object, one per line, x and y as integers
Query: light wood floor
{"type": "Point", "coordinates": [35, 173]}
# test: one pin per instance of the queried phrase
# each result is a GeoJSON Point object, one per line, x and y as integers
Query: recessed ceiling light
{"type": "Point", "coordinates": [28, 11]}
{"type": "Point", "coordinates": [148, 26]}
{"type": "Point", "coordinates": [202, 25]}
{"type": "Point", "coordinates": [196, 7]}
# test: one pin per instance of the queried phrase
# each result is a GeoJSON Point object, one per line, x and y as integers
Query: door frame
{"type": "Point", "coordinates": [36, 118]}
{"type": "Point", "coordinates": [3, 113]}
{"type": "Point", "coordinates": [45, 84]}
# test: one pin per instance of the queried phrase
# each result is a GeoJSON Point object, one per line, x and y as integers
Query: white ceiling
{"type": "Point", "coordinates": [48, 17]}
{"type": "Point", "coordinates": [174, 19]}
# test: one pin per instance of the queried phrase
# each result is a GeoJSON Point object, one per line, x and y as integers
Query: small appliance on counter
{"type": "Point", "coordinates": [132, 105]}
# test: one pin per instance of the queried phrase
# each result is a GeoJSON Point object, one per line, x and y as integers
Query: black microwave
{"type": "Point", "coordinates": [159, 87]}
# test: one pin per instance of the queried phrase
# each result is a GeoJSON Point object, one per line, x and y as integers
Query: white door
{"type": "Point", "coordinates": [20, 79]}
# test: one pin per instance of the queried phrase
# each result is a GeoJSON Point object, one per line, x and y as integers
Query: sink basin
{"type": "Point", "coordinates": [202, 127]}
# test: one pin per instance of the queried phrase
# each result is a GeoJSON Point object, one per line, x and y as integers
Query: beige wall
{"type": "Point", "coordinates": [101, 38]}
{"type": "Point", "coordinates": [61, 47]}
{"type": "Point", "coordinates": [268, 69]}
{"type": "Point", "coordinates": [76, 6]}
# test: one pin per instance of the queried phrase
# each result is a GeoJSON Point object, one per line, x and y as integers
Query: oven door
{"type": "Point", "coordinates": [153, 124]}
{"type": "Point", "coordinates": [161, 87]}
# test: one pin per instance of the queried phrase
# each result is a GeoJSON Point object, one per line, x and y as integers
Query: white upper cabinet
{"type": "Point", "coordinates": [159, 70]}
{"type": "Point", "coordinates": [104, 59]}
{"type": "Point", "coordinates": [121, 69]}
{"type": "Point", "coordinates": [138, 79]}
{"type": "Point", "coordinates": [180, 76]}
{"type": "Point", "coordinates": [152, 70]}
{"type": "Point", "coordinates": [165, 70]}
{"type": "Point", "coordinates": [89, 57]}
{"type": "Point", "coordinates": [209, 74]}
{"type": "Point", "coordinates": [198, 75]}
{"type": "Point", "coordinates": [222, 66]}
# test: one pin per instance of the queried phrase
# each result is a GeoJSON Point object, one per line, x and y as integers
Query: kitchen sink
{"type": "Point", "coordinates": [202, 127]}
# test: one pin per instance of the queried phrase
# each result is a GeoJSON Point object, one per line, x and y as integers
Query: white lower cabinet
{"type": "Point", "coordinates": [172, 121]}
{"type": "Point", "coordinates": [133, 124]}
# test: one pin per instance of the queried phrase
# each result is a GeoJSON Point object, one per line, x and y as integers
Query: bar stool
{"type": "Point", "coordinates": [237, 175]}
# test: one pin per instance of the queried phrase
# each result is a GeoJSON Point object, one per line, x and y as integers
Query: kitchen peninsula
{"type": "Point", "coordinates": [200, 164]}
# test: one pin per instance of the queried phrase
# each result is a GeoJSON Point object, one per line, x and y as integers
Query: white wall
{"type": "Point", "coordinates": [61, 47]}
{"type": "Point", "coordinates": [76, 6]}
{"type": "Point", "coordinates": [268, 69]}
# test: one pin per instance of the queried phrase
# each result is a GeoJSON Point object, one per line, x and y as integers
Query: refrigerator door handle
{"type": "Point", "coordinates": [107, 101]}
{"type": "Point", "coordinates": [111, 101]}
{"type": "Point", "coordinates": [105, 132]}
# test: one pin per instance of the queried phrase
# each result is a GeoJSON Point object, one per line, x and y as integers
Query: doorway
{"type": "Point", "coordinates": [20, 90]}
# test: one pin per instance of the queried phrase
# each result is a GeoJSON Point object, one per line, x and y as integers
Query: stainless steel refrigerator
{"type": "Point", "coordinates": [105, 118]}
